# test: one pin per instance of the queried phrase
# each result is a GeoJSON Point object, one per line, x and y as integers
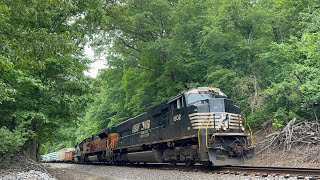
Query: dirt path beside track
{"type": "Point", "coordinates": [71, 172]}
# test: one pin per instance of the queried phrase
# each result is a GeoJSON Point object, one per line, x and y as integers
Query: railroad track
{"type": "Point", "coordinates": [300, 173]}
{"type": "Point", "coordinates": [274, 171]}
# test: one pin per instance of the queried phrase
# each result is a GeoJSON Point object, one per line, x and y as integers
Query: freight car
{"type": "Point", "coordinates": [65, 155]}
{"type": "Point", "coordinates": [51, 157]}
{"type": "Point", "coordinates": [200, 125]}
{"type": "Point", "coordinates": [68, 157]}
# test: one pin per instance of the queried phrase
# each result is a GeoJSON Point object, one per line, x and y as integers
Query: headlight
{"type": "Point", "coordinates": [242, 128]}
{"type": "Point", "coordinates": [223, 127]}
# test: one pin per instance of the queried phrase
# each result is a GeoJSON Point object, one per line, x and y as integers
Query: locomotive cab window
{"type": "Point", "coordinates": [177, 104]}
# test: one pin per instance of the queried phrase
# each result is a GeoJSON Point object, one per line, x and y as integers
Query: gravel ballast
{"type": "Point", "coordinates": [29, 175]}
{"type": "Point", "coordinates": [83, 171]}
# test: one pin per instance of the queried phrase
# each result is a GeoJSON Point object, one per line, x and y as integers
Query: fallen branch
{"type": "Point", "coordinates": [306, 132]}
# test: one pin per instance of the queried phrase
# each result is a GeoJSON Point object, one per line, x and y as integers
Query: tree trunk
{"type": "Point", "coordinates": [32, 149]}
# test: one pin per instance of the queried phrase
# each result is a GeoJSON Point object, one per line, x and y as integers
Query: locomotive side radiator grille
{"type": "Point", "coordinates": [216, 120]}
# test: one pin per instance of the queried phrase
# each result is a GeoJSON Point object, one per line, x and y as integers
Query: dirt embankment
{"type": "Point", "coordinates": [20, 166]}
{"type": "Point", "coordinates": [295, 145]}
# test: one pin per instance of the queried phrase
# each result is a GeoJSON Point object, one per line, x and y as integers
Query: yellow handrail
{"type": "Point", "coordinates": [206, 133]}
{"type": "Point", "coordinates": [250, 130]}
{"type": "Point", "coordinates": [199, 139]}
{"type": "Point", "coordinates": [207, 130]}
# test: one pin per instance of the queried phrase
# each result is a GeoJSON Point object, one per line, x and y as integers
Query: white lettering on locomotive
{"type": "Point", "coordinates": [141, 126]}
{"type": "Point", "coordinates": [146, 124]}
{"type": "Point", "coordinates": [144, 134]}
{"type": "Point", "coordinates": [135, 128]}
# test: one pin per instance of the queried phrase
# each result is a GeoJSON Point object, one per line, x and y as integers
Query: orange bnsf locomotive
{"type": "Point", "coordinates": [200, 125]}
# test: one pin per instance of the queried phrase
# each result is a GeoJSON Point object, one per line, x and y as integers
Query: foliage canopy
{"type": "Point", "coordinates": [263, 54]}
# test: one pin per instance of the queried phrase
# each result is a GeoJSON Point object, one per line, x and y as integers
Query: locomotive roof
{"type": "Point", "coordinates": [217, 91]}
{"type": "Point", "coordinates": [199, 90]}
{"type": "Point", "coordinates": [206, 89]}
{"type": "Point", "coordinates": [131, 119]}
{"type": "Point", "coordinates": [192, 90]}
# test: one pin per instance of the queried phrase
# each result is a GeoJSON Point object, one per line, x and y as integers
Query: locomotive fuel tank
{"type": "Point", "coordinates": [153, 156]}
{"type": "Point", "coordinates": [93, 158]}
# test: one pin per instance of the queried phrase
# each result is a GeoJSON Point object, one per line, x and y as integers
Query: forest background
{"type": "Point", "coordinates": [265, 55]}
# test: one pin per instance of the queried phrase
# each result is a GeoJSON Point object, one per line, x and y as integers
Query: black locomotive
{"type": "Point", "coordinates": [198, 126]}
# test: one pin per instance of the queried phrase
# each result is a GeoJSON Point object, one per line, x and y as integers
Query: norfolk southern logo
{"type": "Point", "coordinates": [141, 126]}
{"type": "Point", "coordinates": [177, 117]}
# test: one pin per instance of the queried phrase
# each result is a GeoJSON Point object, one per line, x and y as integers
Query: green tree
{"type": "Point", "coordinates": [42, 68]}
{"type": "Point", "coordinates": [158, 48]}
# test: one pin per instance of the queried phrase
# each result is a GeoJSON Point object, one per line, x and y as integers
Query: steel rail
{"type": "Point", "coordinates": [277, 170]}
{"type": "Point", "coordinates": [312, 173]}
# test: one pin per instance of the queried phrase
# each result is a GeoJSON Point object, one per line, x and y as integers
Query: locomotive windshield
{"type": "Point", "coordinates": [195, 96]}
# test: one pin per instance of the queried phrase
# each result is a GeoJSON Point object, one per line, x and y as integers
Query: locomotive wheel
{"type": "Point", "coordinates": [189, 162]}
{"type": "Point", "coordinates": [206, 164]}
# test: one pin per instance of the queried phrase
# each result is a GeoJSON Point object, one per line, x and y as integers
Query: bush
{"type": "Point", "coordinates": [11, 141]}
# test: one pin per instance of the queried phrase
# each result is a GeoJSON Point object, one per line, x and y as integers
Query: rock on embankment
{"type": "Point", "coordinates": [29, 175]}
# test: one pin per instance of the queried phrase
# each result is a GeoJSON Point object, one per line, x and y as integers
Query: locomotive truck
{"type": "Point", "coordinates": [200, 125]}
